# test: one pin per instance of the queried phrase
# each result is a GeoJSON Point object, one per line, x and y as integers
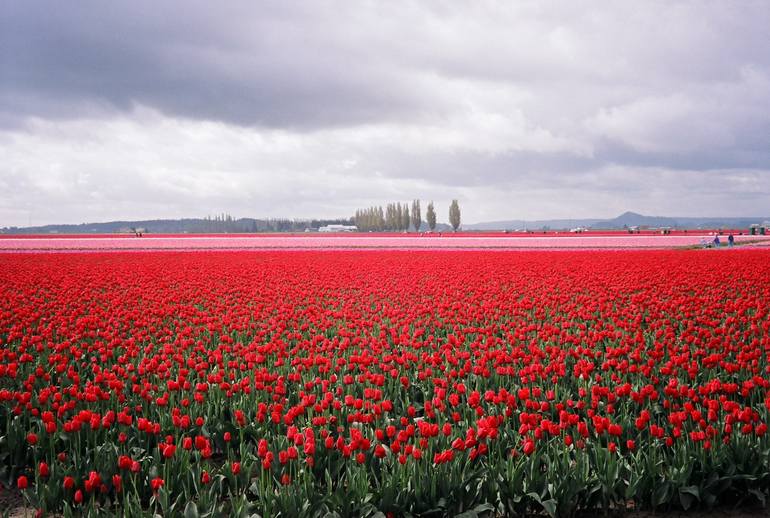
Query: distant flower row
{"type": "Point", "coordinates": [365, 241]}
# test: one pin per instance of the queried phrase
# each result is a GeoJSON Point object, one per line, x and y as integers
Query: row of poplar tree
{"type": "Point", "coordinates": [397, 217]}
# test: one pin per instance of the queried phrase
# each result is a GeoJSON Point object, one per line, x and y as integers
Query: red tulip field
{"type": "Point", "coordinates": [384, 382]}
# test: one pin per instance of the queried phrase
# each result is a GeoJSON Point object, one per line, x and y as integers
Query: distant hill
{"type": "Point", "coordinates": [627, 219]}
{"type": "Point", "coordinates": [632, 219]}
{"type": "Point", "coordinates": [521, 224]}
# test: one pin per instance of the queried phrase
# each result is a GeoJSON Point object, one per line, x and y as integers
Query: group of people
{"type": "Point", "coordinates": [716, 243]}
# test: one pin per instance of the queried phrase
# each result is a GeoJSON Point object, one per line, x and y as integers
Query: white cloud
{"type": "Point", "coordinates": [713, 115]}
{"type": "Point", "coordinates": [147, 165]}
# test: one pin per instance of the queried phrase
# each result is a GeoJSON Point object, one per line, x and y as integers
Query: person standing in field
{"type": "Point", "coordinates": [716, 241]}
{"type": "Point", "coordinates": [730, 240]}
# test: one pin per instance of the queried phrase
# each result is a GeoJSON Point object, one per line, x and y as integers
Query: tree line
{"type": "Point", "coordinates": [398, 217]}
{"type": "Point", "coordinates": [225, 223]}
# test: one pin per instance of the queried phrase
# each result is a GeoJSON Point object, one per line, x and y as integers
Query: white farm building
{"type": "Point", "coordinates": [338, 228]}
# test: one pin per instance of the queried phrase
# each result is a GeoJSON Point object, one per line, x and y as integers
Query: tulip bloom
{"type": "Point", "coordinates": [529, 447]}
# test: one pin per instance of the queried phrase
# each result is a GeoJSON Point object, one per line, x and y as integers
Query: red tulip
{"type": "Point", "coordinates": [156, 484]}
{"type": "Point", "coordinates": [529, 447]}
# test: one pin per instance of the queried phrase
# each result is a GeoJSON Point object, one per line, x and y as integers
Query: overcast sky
{"type": "Point", "coordinates": [147, 109]}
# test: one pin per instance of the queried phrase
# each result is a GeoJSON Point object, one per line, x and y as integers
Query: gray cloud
{"type": "Point", "coordinates": [144, 109]}
{"type": "Point", "coordinates": [254, 64]}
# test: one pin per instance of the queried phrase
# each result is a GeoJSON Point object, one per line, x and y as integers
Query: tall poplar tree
{"type": "Point", "coordinates": [454, 215]}
{"type": "Point", "coordinates": [416, 215]}
{"type": "Point", "coordinates": [430, 216]}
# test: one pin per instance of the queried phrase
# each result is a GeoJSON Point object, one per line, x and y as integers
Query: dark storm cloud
{"type": "Point", "coordinates": [253, 64]}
